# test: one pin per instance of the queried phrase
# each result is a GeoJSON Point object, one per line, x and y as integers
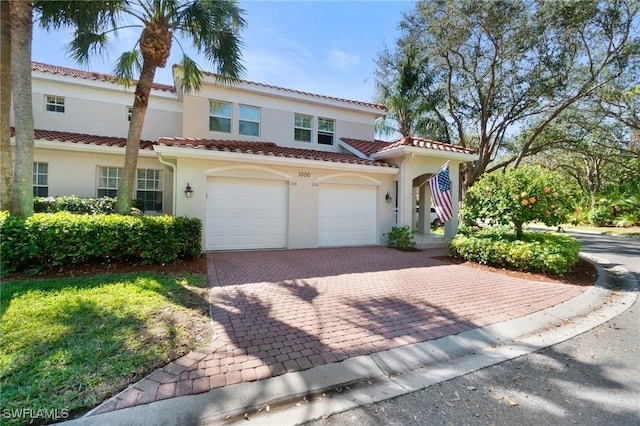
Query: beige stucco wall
{"type": "Point", "coordinates": [76, 172]}
{"type": "Point", "coordinates": [413, 166]}
{"type": "Point", "coordinates": [100, 108]}
{"type": "Point", "coordinates": [304, 183]}
{"type": "Point", "coordinates": [276, 117]}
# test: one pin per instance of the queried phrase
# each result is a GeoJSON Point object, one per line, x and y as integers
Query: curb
{"type": "Point", "coordinates": [327, 389]}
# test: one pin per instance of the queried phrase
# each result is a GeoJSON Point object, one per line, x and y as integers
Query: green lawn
{"type": "Point", "coordinates": [69, 343]}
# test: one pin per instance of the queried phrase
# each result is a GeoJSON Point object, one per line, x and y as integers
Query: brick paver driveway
{"type": "Point", "coordinates": [281, 311]}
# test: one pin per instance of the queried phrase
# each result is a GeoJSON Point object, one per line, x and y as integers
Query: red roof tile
{"type": "Point", "coordinates": [89, 75]}
{"type": "Point", "coordinates": [366, 147]}
{"type": "Point", "coordinates": [427, 144]}
{"type": "Point", "coordinates": [332, 98]}
{"type": "Point", "coordinates": [80, 138]}
{"type": "Point", "coordinates": [268, 149]}
{"type": "Point", "coordinates": [371, 147]}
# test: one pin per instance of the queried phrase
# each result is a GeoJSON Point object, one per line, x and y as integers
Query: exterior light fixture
{"type": "Point", "coordinates": [188, 192]}
{"type": "Point", "coordinates": [388, 197]}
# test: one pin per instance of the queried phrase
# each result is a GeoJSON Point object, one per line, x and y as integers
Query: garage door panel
{"type": "Point", "coordinates": [347, 215]}
{"type": "Point", "coordinates": [246, 214]}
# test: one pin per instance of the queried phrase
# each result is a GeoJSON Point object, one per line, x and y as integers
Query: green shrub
{"type": "Point", "coordinates": [57, 239]}
{"type": "Point", "coordinates": [600, 216]}
{"type": "Point", "coordinates": [74, 204]}
{"type": "Point", "coordinates": [401, 238]}
{"type": "Point", "coordinates": [80, 205]}
{"type": "Point", "coordinates": [535, 252]}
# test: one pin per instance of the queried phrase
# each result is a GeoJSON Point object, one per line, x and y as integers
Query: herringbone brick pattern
{"type": "Point", "coordinates": [281, 311]}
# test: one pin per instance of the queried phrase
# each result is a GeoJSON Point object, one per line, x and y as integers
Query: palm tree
{"type": "Point", "coordinates": [404, 83]}
{"type": "Point", "coordinates": [6, 162]}
{"type": "Point", "coordinates": [213, 27]}
{"type": "Point", "coordinates": [21, 35]}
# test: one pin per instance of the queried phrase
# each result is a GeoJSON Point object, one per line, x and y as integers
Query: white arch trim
{"type": "Point", "coordinates": [220, 171]}
{"type": "Point", "coordinates": [350, 175]}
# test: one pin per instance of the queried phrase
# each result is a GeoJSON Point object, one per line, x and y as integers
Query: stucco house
{"type": "Point", "coordinates": [261, 166]}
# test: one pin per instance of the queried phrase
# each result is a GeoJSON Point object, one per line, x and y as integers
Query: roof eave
{"type": "Point", "coordinates": [403, 150]}
{"type": "Point", "coordinates": [352, 150]}
{"type": "Point", "coordinates": [195, 153]}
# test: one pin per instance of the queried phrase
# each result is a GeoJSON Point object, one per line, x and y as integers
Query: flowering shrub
{"type": "Point", "coordinates": [521, 195]}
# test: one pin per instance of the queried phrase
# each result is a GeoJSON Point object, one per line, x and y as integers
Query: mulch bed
{"type": "Point", "coordinates": [582, 274]}
{"type": "Point", "coordinates": [194, 266]}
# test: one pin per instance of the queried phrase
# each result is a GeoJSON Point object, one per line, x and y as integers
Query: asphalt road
{"type": "Point", "coordinates": [591, 379]}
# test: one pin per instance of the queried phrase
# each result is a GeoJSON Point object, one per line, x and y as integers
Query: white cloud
{"type": "Point", "coordinates": [341, 60]}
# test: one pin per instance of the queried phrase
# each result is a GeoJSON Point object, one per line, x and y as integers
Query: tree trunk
{"type": "Point", "coordinates": [518, 226]}
{"type": "Point", "coordinates": [6, 158]}
{"type": "Point", "coordinates": [21, 35]}
{"type": "Point", "coordinates": [140, 104]}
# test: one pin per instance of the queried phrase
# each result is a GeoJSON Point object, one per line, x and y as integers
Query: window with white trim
{"type": "Point", "coordinates": [40, 179]}
{"type": "Point", "coordinates": [149, 189]}
{"type": "Point", "coordinates": [249, 122]}
{"type": "Point", "coordinates": [326, 129]}
{"type": "Point", "coordinates": [54, 103]}
{"type": "Point", "coordinates": [219, 116]}
{"type": "Point", "coordinates": [148, 186]}
{"type": "Point", "coordinates": [129, 113]}
{"type": "Point", "coordinates": [109, 181]}
{"type": "Point", "coordinates": [302, 128]}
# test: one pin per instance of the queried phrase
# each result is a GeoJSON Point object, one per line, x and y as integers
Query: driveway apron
{"type": "Point", "coordinates": [289, 310]}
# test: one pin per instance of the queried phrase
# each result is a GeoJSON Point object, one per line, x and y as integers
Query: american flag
{"type": "Point", "coordinates": [440, 186]}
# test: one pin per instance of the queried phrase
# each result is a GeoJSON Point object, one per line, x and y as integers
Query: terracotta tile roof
{"type": "Point", "coordinates": [427, 144]}
{"type": "Point", "coordinates": [89, 75]}
{"type": "Point", "coordinates": [332, 98]}
{"type": "Point", "coordinates": [366, 147]}
{"type": "Point", "coordinates": [80, 138]}
{"type": "Point", "coordinates": [268, 149]}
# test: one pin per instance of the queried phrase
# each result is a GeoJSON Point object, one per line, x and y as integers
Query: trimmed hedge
{"type": "Point", "coordinates": [80, 205]}
{"type": "Point", "coordinates": [536, 252]}
{"type": "Point", "coordinates": [57, 239]}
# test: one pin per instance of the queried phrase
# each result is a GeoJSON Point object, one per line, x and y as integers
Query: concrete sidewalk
{"type": "Point", "coordinates": [303, 322]}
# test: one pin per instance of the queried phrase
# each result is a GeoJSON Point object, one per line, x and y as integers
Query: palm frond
{"type": "Point", "coordinates": [128, 66]}
{"type": "Point", "coordinates": [214, 28]}
{"type": "Point", "coordinates": [189, 74]}
{"type": "Point", "coordinates": [86, 44]}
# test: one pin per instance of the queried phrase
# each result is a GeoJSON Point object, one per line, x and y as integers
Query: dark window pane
{"type": "Point", "coordinates": [302, 135]}
{"type": "Point", "coordinates": [217, 124]}
{"type": "Point", "coordinates": [325, 138]}
{"type": "Point", "coordinates": [249, 128]}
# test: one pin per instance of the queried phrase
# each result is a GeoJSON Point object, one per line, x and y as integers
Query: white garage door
{"type": "Point", "coordinates": [347, 215]}
{"type": "Point", "coordinates": [246, 214]}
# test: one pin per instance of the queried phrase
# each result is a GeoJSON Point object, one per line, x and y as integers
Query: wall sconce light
{"type": "Point", "coordinates": [188, 192]}
{"type": "Point", "coordinates": [388, 197]}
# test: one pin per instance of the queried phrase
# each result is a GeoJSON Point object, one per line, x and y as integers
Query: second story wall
{"type": "Point", "coordinates": [72, 104]}
{"type": "Point", "coordinates": [251, 111]}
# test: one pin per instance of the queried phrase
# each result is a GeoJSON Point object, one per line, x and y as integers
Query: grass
{"type": "Point", "coordinates": [69, 343]}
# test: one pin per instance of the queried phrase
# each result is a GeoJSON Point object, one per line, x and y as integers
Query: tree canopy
{"type": "Point", "coordinates": [507, 65]}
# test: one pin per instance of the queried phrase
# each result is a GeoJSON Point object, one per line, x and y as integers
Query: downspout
{"type": "Point", "coordinates": [174, 201]}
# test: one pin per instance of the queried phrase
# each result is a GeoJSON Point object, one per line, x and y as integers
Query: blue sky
{"type": "Point", "coordinates": [325, 47]}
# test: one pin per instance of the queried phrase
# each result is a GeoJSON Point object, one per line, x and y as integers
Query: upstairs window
{"type": "Point", "coordinates": [149, 184]}
{"type": "Point", "coordinates": [302, 128]}
{"type": "Point", "coordinates": [40, 179]}
{"type": "Point", "coordinates": [219, 116]}
{"type": "Point", "coordinates": [129, 113]}
{"type": "Point", "coordinates": [325, 131]}
{"type": "Point", "coordinates": [249, 121]}
{"type": "Point", "coordinates": [54, 103]}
